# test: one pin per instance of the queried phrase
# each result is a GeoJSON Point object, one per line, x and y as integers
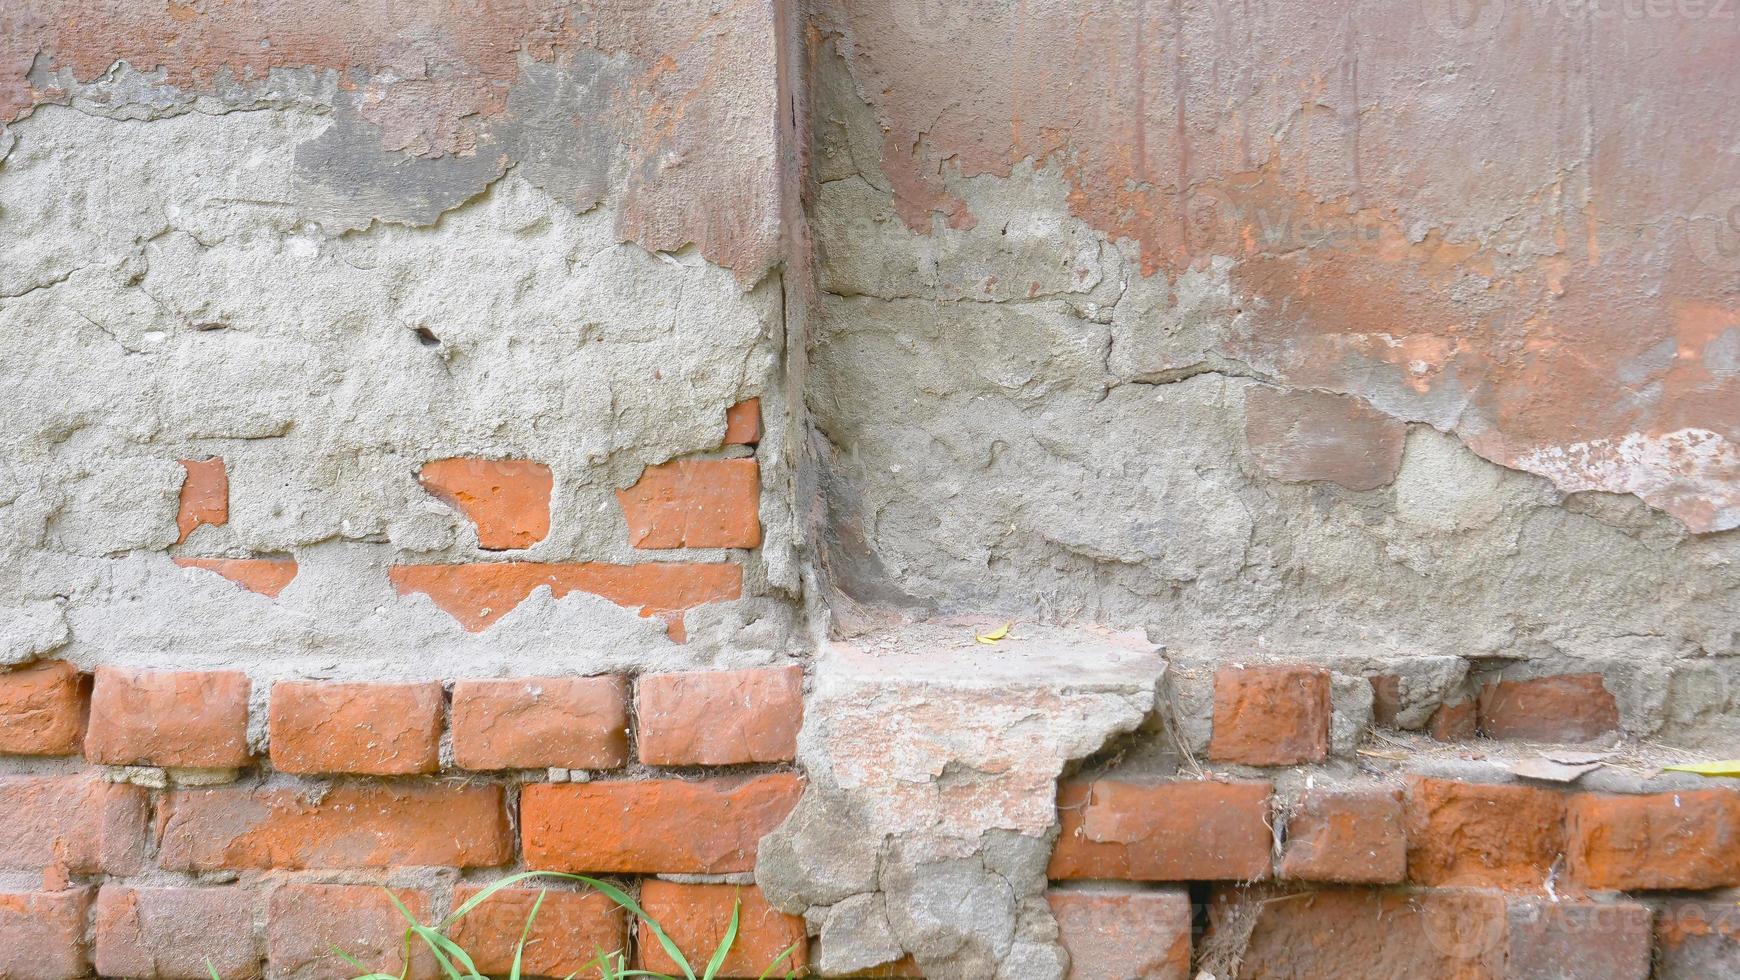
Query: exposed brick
{"type": "Point", "coordinates": [695, 918]}
{"type": "Point", "coordinates": [569, 932]}
{"type": "Point", "coordinates": [305, 922]}
{"type": "Point", "coordinates": [721, 717]}
{"type": "Point", "coordinates": [1302, 436]}
{"type": "Point", "coordinates": [1453, 722]}
{"type": "Point", "coordinates": [1166, 831]}
{"type": "Point", "coordinates": [1478, 834]}
{"type": "Point", "coordinates": [1270, 716]}
{"type": "Point", "coordinates": [1573, 940]}
{"type": "Point", "coordinates": [83, 824]}
{"type": "Point", "coordinates": [1697, 940]}
{"type": "Point", "coordinates": [369, 729]}
{"type": "Point", "coordinates": [1562, 708]}
{"type": "Point", "coordinates": [1113, 933]}
{"type": "Point", "coordinates": [205, 495]}
{"type": "Point", "coordinates": [656, 825]}
{"type": "Point", "coordinates": [1364, 934]}
{"type": "Point", "coordinates": [195, 719]}
{"type": "Point", "coordinates": [1386, 699]}
{"type": "Point", "coordinates": [1688, 840]}
{"type": "Point", "coordinates": [173, 933]}
{"type": "Point", "coordinates": [695, 503]}
{"type": "Point", "coordinates": [538, 722]}
{"type": "Point", "coordinates": [267, 576]}
{"type": "Point", "coordinates": [343, 826]}
{"type": "Point", "coordinates": [42, 934]}
{"type": "Point", "coordinates": [1351, 835]}
{"type": "Point", "coordinates": [743, 423]}
{"type": "Point", "coordinates": [508, 500]}
{"type": "Point", "coordinates": [478, 595]}
{"type": "Point", "coordinates": [42, 709]}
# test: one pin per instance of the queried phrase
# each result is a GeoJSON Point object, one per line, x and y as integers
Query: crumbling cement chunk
{"type": "Point", "coordinates": [933, 762]}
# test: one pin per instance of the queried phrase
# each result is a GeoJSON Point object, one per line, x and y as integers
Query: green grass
{"type": "Point", "coordinates": [456, 963]}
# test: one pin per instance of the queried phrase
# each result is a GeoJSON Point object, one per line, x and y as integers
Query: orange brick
{"type": "Point", "coordinates": [1563, 708]}
{"type": "Point", "coordinates": [508, 500]}
{"type": "Point", "coordinates": [656, 825]}
{"type": "Point", "coordinates": [166, 718]}
{"type": "Point", "coordinates": [1121, 933]}
{"type": "Point", "coordinates": [478, 595]}
{"type": "Point", "coordinates": [1364, 933]}
{"type": "Point", "coordinates": [1270, 716]}
{"type": "Point", "coordinates": [743, 423]}
{"type": "Point", "coordinates": [538, 722]}
{"type": "Point", "coordinates": [1474, 834]}
{"type": "Point", "coordinates": [304, 923]}
{"type": "Point", "coordinates": [1165, 831]}
{"type": "Point", "coordinates": [42, 709]}
{"type": "Point", "coordinates": [42, 934]}
{"type": "Point", "coordinates": [718, 718]}
{"type": "Point", "coordinates": [1567, 939]}
{"type": "Point", "coordinates": [569, 932]}
{"type": "Point", "coordinates": [205, 495]}
{"type": "Point", "coordinates": [267, 576]}
{"type": "Point", "coordinates": [85, 825]}
{"type": "Point", "coordinates": [695, 503]}
{"type": "Point", "coordinates": [175, 932]}
{"type": "Point", "coordinates": [1453, 722]}
{"type": "Point", "coordinates": [1352, 835]}
{"type": "Point", "coordinates": [368, 825]}
{"type": "Point", "coordinates": [369, 729]}
{"type": "Point", "coordinates": [1688, 840]}
{"type": "Point", "coordinates": [695, 918]}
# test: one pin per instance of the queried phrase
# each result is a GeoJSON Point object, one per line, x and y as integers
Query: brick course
{"type": "Point", "coordinates": [82, 824]}
{"type": "Point", "coordinates": [1473, 834]}
{"type": "Point", "coordinates": [172, 933]}
{"type": "Point", "coordinates": [1562, 708]}
{"type": "Point", "coordinates": [306, 921]}
{"type": "Point", "coordinates": [1270, 716]}
{"type": "Point", "coordinates": [695, 503]}
{"type": "Point", "coordinates": [42, 709]}
{"type": "Point", "coordinates": [1121, 933]}
{"type": "Point", "coordinates": [1353, 836]}
{"type": "Point", "coordinates": [1688, 839]}
{"type": "Point", "coordinates": [42, 934]}
{"type": "Point", "coordinates": [369, 729]}
{"type": "Point", "coordinates": [569, 932]}
{"type": "Point", "coordinates": [1165, 831]}
{"type": "Point", "coordinates": [507, 500]}
{"type": "Point", "coordinates": [695, 918]}
{"type": "Point", "coordinates": [658, 825]}
{"type": "Point", "coordinates": [538, 722]}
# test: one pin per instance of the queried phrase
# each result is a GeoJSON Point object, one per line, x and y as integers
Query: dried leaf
{"type": "Point", "coordinates": [995, 635]}
{"type": "Point", "coordinates": [1730, 767]}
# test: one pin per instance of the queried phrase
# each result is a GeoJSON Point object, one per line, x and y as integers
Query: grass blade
{"type": "Point", "coordinates": [526, 934]}
{"type": "Point", "coordinates": [777, 960]}
{"type": "Point", "coordinates": [717, 961]}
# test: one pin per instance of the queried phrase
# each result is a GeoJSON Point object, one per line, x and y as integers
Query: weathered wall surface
{"type": "Point", "coordinates": [329, 243]}
{"type": "Point", "coordinates": [1347, 329]}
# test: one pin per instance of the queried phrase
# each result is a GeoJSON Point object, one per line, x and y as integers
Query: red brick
{"type": "Point", "coordinates": [1453, 722]}
{"type": "Point", "coordinates": [1364, 934]}
{"type": "Point", "coordinates": [1166, 831]}
{"type": "Point", "coordinates": [1475, 834]}
{"type": "Point", "coordinates": [267, 576]}
{"type": "Point", "coordinates": [305, 922]}
{"type": "Point", "coordinates": [1270, 716]}
{"type": "Point", "coordinates": [85, 825]}
{"type": "Point", "coordinates": [1303, 436]}
{"type": "Point", "coordinates": [1113, 933]}
{"type": "Point", "coordinates": [1563, 708]}
{"type": "Point", "coordinates": [695, 918]}
{"type": "Point", "coordinates": [342, 826]}
{"type": "Point", "coordinates": [718, 718]}
{"type": "Point", "coordinates": [42, 709]}
{"type": "Point", "coordinates": [1577, 940]}
{"type": "Point", "coordinates": [743, 423]}
{"type": "Point", "coordinates": [539, 722]}
{"type": "Point", "coordinates": [508, 500]}
{"type": "Point", "coordinates": [369, 729]}
{"type": "Point", "coordinates": [42, 934]}
{"type": "Point", "coordinates": [655, 825]}
{"type": "Point", "coordinates": [1697, 940]}
{"type": "Point", "coordinates": [478, 595]}
{"type": "Point", "coordinates": [173, 932]}
{"type": "Point", "coordinates": [205, 495]}
{"type": "Point", "coordinates": [569, 932]}
{"type": "Point", "coordinates": [695, 503]}
{"type": "Point", "coordinates": [1352, 835]}
{"type": "Point", "coordinates": [194, 720]}
{"type": "Point", "coordinates": [1687, 840]}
